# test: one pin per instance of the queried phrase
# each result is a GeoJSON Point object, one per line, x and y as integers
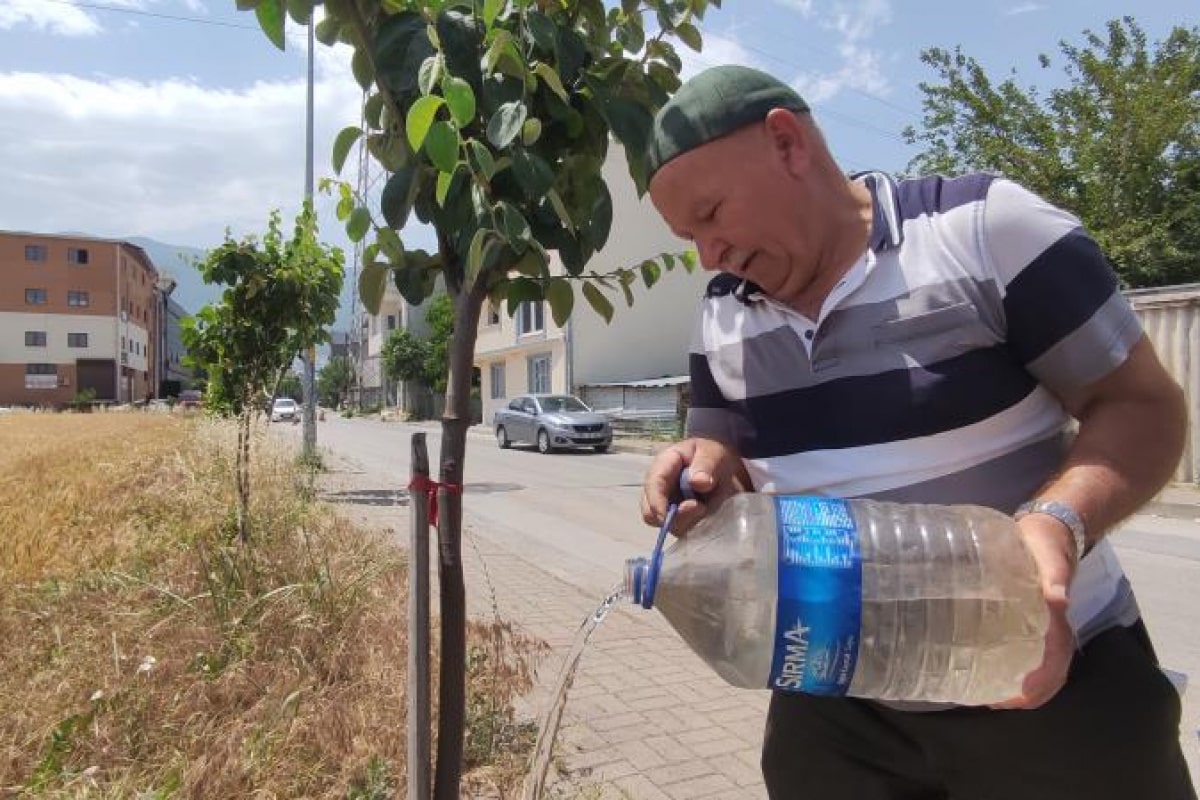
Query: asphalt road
{"type": "Point", "coordinates": [576, 516]}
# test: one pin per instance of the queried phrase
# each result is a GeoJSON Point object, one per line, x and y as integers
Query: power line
{"type": "Point", "coordinates": [153, 14]}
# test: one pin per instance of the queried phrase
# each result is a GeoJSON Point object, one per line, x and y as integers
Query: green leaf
{"type": "Point", "coordinates": [535, 176]}
{"type": "Point", "coordinates": [328, 30]}
{"type": "Point", "coordinates": [543, 30]}
{"type": "Point", "coordinates": [430, 74]}
{"type": "Point", "coordinates": [300, 10]}
{"type": "Point", "coordinates": [690, 260]}
{"type": "Point", "coordinates": [513, 225]}
{"type": "Point", "coordinates": [442, 144]}
{"type": "Point", "coordinates": [688, 34]}
{"type": "Point", "coordinates": [444, 180]}
{"type": "Point", "coordinates": [599, 303]}
{"type": "Point", "coordinates": [491, 10]}
{"type": "Point", "coordinates": [522, 290]}
{"type": "Point", "coordinates": [398, 194]}
{"type": "Point", "coordinates": [364, 72]}
{"type": "Point", "coordinates": [461, 39]}
{"type": "Point", "coordinates": [561, 297]}
{"type": "Point", "coordinates": [420, 119]}
{"type": "Point", "coordinates": [373, 110]}
{"type": "Point", "coordinates": [531, 131]}
{"type": "Point", "coordinates": [483, 158]}
{"type": "Point", "coordinates": [551, 79]}
{"type": "Point", "coordinates": [503, 55]}
{"type": "Point", "coordinates": [271, 19]}
{"type": "Point", "coordinates": [484, 239]}
{"type": "Point", "coordinates": [505, 124]}
{"type": "Point", "coordinates": [600, 219]}
{"type": "Point", "coordinates": [401, 45]}
{"type": "Point", "coordinates": [389, 149]}
{"type": "Point", "coordinates": [664, 76]}
{"type": "Point", "coordinates": [372, 283]}
{"type": "Point", "coordinates": [342, 144]}
{"type": "Point", "coordinates": [626, 278]}
{"type": "Point", "coordinates": [650, 273]}
{"type": "Point", "coordinates": [560, 208]}
{"type": "Point", "coordinates": [389, 241]}
{"type": "Point", "coordinates": [358, 224]}
{"type": "Point", "coordinates": [461, 100]}
{"type": "Point", "coordinates": [534, 263]}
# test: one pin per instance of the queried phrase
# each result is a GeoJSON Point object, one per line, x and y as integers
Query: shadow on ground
{"type": "Point", "coordinates": [399, 496]}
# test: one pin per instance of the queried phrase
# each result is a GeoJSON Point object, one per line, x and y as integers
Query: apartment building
{"type": "Point", "coordinates": [77, 313]}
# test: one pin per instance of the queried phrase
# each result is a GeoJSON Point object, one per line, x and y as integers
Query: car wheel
{"type": "Point", "coordinates": [502, 438]}
{"type": "Point", "coordinates": [543, 442]}
{"type": "Point", "coordinates": [601, 448]}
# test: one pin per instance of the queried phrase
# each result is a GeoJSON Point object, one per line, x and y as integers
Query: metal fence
{"type": "Point", "coordinates": [1171, 317]}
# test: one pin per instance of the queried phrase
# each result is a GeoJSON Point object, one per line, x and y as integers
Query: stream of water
{"type": "Point", "coordinates": [543, 750]}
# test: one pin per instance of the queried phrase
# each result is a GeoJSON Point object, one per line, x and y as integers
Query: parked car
{"type": "Point", "coordinates": [190, 400]}
{"type": "Point", "coordinates": [285, 409]}
{"type": "Point", "coordinates": [551, 421]}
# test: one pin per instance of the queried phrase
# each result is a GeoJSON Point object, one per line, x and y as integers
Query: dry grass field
{"type": "Point", "coordinates": [147, 654]}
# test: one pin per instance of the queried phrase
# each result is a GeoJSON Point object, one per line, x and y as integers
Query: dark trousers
{"type": "Point", "coordinates": [1112, 733]}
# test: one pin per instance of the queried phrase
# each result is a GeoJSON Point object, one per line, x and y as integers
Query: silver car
{"type": "Point", "coordinates": [551, 422]}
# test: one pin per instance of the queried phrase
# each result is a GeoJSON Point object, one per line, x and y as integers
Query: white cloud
{"type": "Point", "coordinates": [62, 19]}
{"type": "Point", "coordinates": [717, 50]}
{"type": "Point", "coordinates": [860, 67]}
{"type": "Point", "coordinates": [1024, 8]}
{"type": "Point", "coordinates": [804, 7]}
{"type": "Point", "coordinates": [168, 158]}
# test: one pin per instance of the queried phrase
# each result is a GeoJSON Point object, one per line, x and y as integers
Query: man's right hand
{"type": "Point", "coordinates": [715, 471]}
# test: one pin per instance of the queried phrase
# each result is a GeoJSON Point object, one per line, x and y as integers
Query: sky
{"type": "Point", "coordinates": [177, 120]}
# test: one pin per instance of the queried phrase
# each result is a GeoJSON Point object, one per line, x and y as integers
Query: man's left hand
{"type": "Point", "coordinates": [1050, 544]}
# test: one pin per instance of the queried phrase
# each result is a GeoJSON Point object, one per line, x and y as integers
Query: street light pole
{"type": "Point", "coordinates": [310, 357]}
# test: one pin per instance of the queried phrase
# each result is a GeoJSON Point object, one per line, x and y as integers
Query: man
{"type": "Point", "coordinates": [925, 341]}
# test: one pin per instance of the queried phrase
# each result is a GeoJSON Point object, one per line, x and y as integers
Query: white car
{"type": "Point", "coordinates": [285, 409]}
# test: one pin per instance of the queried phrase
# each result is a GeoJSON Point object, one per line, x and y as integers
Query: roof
{"type": "Point", "coordinates": [649, 383]}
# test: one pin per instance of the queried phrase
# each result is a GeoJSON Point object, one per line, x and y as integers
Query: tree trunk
{"type": "Point", "coordinates": [455, 421]}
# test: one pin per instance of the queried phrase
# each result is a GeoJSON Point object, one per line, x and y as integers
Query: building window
{"type": "Point", "coordinates": [78, 299]}
{"type": "Point", "coordinates": [539, 374]}
{"type": "Point", "coordinates": [496, 374]}
{"type": "Point", "coordinates": [35, 252]}
{"type": "Point", "coordinates": [531, 317]}
{"type": "Point", "coordinates": [35, 338]}
{"type": "Point", "coordinates": [41, 376]}
{"type": "Point", "coordinates": [391, 322]}
{"type": "Point", "coordinates": [77, 340]}
{"type": "Point", "coordinates": [77, 255]}
{"type": "Point", "coordinates": [35, 297]}
{"type": "Point", "coordinates": [493, 314]}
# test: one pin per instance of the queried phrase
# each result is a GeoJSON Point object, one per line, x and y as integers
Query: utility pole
{"type": "Point", "coordinates": [310, 357]}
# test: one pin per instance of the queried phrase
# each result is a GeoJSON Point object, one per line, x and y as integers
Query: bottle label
{"type": "Point", "coordinates": [820, 596]}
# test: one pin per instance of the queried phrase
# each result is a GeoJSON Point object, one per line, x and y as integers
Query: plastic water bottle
{"type": "Point", "coordinates": [853, 597]}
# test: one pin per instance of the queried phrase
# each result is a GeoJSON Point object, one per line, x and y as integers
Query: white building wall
{"type": "Point", "coordinates": [651, 339]}
{"type": "Point", "coordinates": [101, 340]}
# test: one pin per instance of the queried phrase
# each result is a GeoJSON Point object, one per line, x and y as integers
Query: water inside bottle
{"type": "Point", "coordinates": [543, 749]}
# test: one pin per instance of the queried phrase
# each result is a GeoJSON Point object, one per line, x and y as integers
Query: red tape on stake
{"type": "Point", "coordinates": [430, 487]}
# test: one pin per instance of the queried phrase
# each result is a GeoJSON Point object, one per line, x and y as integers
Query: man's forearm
{"type": "Point", "coordinates": [1125, 452]}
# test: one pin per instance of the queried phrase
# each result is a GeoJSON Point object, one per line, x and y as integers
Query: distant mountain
{"type": "Point", "coordinates": [178, 261]}
{"type": "Point", "coordinates": [192, 292]}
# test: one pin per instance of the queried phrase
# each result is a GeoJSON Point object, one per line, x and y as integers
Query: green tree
{"type": "Point", "coordinates": [1118, 144]}
{"type": "Point", "coordinates": [494, 118]}
{"type": "Point", "coordinates": [280, 298]}
{"type": "Point", "coordinates": [289, 386]}
{"type": "Point", "coordinates": [334, 381]}
{"type": "Point", "coordinates": [404, 356]}
{"type": "Point", "coordinates": [440, 319]}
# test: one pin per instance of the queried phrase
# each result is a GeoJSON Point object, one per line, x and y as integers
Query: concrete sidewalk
{"type": "Point", "coordinates": [645, 719]}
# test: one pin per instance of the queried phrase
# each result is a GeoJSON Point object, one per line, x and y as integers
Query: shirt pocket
{"type": "Point", "coordinates": [935, 334]}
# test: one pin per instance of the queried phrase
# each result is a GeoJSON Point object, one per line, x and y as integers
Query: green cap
{"type": "Point", "coordinates": [713, 104]}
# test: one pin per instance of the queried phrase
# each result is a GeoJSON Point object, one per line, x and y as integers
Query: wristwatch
{"type": "Point", "coordinates": [1064, 514]}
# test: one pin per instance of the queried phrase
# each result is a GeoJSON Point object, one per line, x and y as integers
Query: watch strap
{"type": "Point", "coordinates": [1064, 514]}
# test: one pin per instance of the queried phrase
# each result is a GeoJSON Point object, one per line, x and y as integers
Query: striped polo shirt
{"type": "Point", "coordinates": [931, 373]}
